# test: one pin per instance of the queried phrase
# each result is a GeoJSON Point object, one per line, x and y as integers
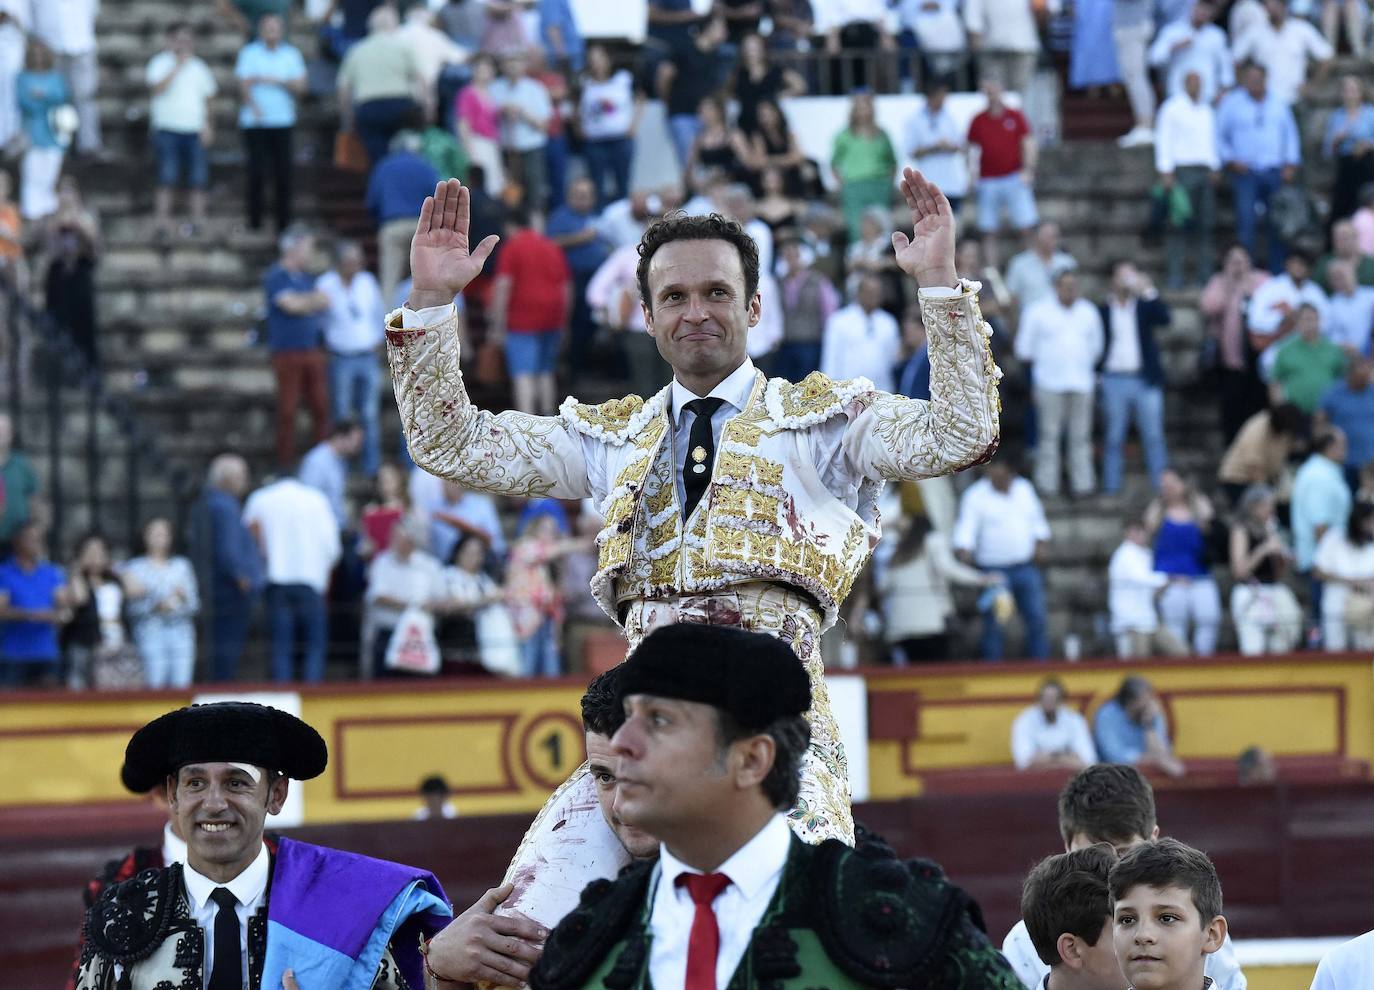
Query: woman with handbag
{"type": "Point", "coordinates": [1265, 611]}
{"type": "Point", "coordinates": [163, 602]}
{"type": "Point", "coordinates": [477, 622]}
{"type": "Point", "coordinates": [98, 647]}
{"type": "Point", "coordinates": [404, 587]}
{"type": "Point", "coordinates": [1345, 565]}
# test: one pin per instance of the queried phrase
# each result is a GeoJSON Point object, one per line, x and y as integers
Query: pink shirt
{"type": "Point", "coordinates": [479, 113]}
{"type": "Point", "coordinates": [1364, 229]}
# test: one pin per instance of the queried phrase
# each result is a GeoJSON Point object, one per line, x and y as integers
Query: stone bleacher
{"type": "Point", "coordinates": [177, 320]}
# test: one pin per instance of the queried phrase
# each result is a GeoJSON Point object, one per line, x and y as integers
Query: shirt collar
{"type": "Point", "coordinates": [752, 866]}
{"type": "Point", "coordinates": [734, 390]}
{"type": "Point", "coordinates": [173, 848]}
{"type": "Point", "coordinates": [247, 887]}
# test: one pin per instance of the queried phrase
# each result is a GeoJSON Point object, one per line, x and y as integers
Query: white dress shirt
{"type": "Point", "coordinates": [1284, 53]}
{"type": "Point", "coordinates": [734, 390]}
{"type": "Point", "coordinates": [947, 169]}
{"type": "Point", "coordinates": [419, 580]}
{"type": "Point", "coordinates": [173, 849]}
{"type": "Point", "coordinates": [1061, 343]}
{"type": "Point", "coordinates": [1267, 311]}
{"type": "Point", "coordinates": [856, 344]}
{"type": "Point", "coordinates": [936, 23]}
{"type": "Point", "coordinates": [1348, 965]}
{"type": "Point", "coordinates": [1186, 134]}
{"type": "Point", "coordinates": [1131, 585]}
{"type": "Point", "coordinates": [1005, 25]}
{"type": "Point", "coordinates": [1123, 348]}
{"type": "Point", "coordinates": [1033, 734]}
{"type": "Point", "coordinates": [754, 871]}
{"type": "Point", "coordinates": [250, 887]}
{"type": "Point", "coordinates": [356, 312]}
{"type": "Point", "coordinates": [1207, 54]}
{"type": "Point", "coordinates": [297, 532]}
{"type": "Point", "coordinates": [1000, 529]}
{"type": "Point", "coordinates": [829, 14]}
{"type": "Point", "coordinates": [66, 26]}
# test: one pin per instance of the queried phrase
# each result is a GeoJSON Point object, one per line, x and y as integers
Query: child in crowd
{"type": "Point", "coordinates": [1068, 910]}
{"type": "Point", "coordinates": [1166, 916]}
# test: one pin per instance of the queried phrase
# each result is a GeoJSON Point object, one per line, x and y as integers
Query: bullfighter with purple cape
{"type": "Point", "coordinates": [236, 915]}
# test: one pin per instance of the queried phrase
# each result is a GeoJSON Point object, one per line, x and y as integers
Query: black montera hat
{"type": "Point", "coordinates": [225, 732]}
{"type": "Point", "coordinates": [753, 677]}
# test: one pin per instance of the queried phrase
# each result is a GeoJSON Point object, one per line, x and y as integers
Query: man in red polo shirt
{"type": "Point", "coordinates": [1006, 166]}
{"type": "Point", "coordinates": [530, 307]}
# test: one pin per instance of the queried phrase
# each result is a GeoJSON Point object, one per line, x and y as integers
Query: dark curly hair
{"type": "Point", "coordinates": [712, 227]}
{"type": "Point", "coordinates": [602, 710]}
{"type": "Point", "coordinates": [791, 737]}
{"type": "Point", "coordinates": [1107, 802]}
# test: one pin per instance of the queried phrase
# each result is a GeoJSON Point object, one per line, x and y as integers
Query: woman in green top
{"type": "Point", "coordinates": [863, 162]}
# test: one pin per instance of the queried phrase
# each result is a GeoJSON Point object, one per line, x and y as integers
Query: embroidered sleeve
{"type": "Point", "coordinates": [509, 453]}
{"type": "Point", "coordinates": [893, 438]}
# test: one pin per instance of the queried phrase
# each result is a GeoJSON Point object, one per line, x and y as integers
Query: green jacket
{"type": "Point", "coordinates": [841, 919]}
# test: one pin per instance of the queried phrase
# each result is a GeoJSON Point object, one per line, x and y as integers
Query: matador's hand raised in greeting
{"type": "Point", "coordinates": [442, 262]}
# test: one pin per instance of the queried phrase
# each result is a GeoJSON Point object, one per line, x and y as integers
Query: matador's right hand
{"type": "Point", "coordinates": [441, 260]}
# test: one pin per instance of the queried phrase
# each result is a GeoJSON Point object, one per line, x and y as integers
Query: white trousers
{"type": "Point", "coordinates": [38, 174]}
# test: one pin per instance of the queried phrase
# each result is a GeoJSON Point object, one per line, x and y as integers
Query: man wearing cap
{"type": "Point", "coordinates": [236, 914]}
{"type": "Point", "coordinates": [708, 760]}
{"type": "Point", "coordinates": [728, 498]}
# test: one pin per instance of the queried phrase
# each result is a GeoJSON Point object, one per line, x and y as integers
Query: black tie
{"type": "Point", "coordinates": [228, 971]}
{"type": "Point", "coordinates": [701, 452]}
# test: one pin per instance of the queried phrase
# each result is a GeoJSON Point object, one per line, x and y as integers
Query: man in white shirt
{"type": "Point", "coordinates": [1348, 965]}
{"type": "Point", "coordinates": [1002, 528]}
{"type": "Point", "coordinates": [1133, 585]}
{"type": "Point", "coordinates": [1194, 44]}
{"type": "Point", "coordinates": [939, 32]}
{"type": "Point", "coordinates": [1273, 310]}
{"type": "Point", "coordinates": [181, 87]}
{"type": "Point", "coordinates": [1132, 373]}
{"type": "Point", "coordinates": [14, 27]}
{"type": "Point", "coordinates": [353, 337]}
{"type": "Point", "coordinates": [1049, 734]}
{"type": "Point", "coordinates": [861, 340]}
{"type": "Point", "coordinates": [937, 143]}
{"type": "Point", "coordinates": [706, 760]}
{"type": "Point", "coordinates": [1285, 46]}
{"type": "Point", "coordinates": [1061, 338]}
{"type": "Point", "coordinates": [1186, 153]}
{"type": "Point", "coordinates": [1005, 38]}
{"type": "Point", "coordinates": [299, 540]}
{"type": "Point", "coordinates": [68, 28]}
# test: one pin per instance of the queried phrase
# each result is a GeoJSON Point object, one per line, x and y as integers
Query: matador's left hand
{"type": "Point", "coordinates": [928, 255]}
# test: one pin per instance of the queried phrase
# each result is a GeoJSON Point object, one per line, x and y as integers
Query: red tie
{"type": "Point", "coordinates": [704, 944]}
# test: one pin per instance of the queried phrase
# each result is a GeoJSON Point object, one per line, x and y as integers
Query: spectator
{"type": "Point", "coordinates": [1005, 39]}
{"type": "Point", "coordinates": [1345, 246]}
{"type": "Point", "coordinates": [1051, 735]}
{"type": "Point", "coordinates": [1223, 305]}
{"type": "Point", "coordinates": [1006, 166]}
{"type": "Point", "coordinates": [1344, 563]}
{"type": "Point", "coordinates": [1261, 449]}
{"type": "Point", "coordinates": [1195, 44]}
{"type": "Point", "coordinates": [1067, 904]}
{"type": "Point", "coordinates": [379, 82]}
{"type": "Point", "coordinates": [938, 145]}
{"type": "Point", "coordinates": [325, 466]}
{"type": "Point", "coordinates": [572, 227]}
{"type": "Point", "coordinates": [716, 145]}
{"type": "Point", "coordinates": [271, 74]}
{"type": "Point", "coordinates": [1306, 364]}
{"type": "Point", "coordinates": [863, 162]}
{"type": "Point", "coordinates": [1256, 768]}
{"type": "Point", "coordinates": [1349, 311]}
{"type": "Point", "coordinates": [12, 261]}
{"type": "Point", "coordinates": [96, 636]}
{"type": "Point", "coordinates": [1349, 138]}
{"type": "Point", "coordinates": [1285, 46]}
{"type": "Point", "coordinates": [687, 78]}
{"type": "Point", "coordinates": [535, 602]}
{"type": "Point", "coordinates": [1092, 54]}
{"type": "Point", "coordinates": [810, 301]}
{"type": "Point", "coordinates": [478, 120]}
{"type": "Point", "coordinates": [434, 792]}
{"type": "Point", "coordinates": [853, 30]}
{"type": "Point", "coordinates": [773, 145]}
{"type": "Point", "coordinates": [1186, 154]}
{"type": "Point", "coordinates": [42, 89]}
{"type": "Point", "coordinates": [530, 307]}
{"type": "Point", "coordinates": [396, 191]}
{"type": "Point", "coordinates": [1132, 28]}
{"type": "Point", "coordinates": [608, 110]}
{"type": "Point", "coordinates": [296, 311]}
{"type": "Point", "coordinates": [862, 340]}
{"type": "Point", "coordinates": [1321, 496]}
{"type": "Point", "coordinates": [227, 561]}
{"type": "Point", "coordinates": [34, 602]}
{"type": "Point", "coordinates": [757, 80]}
{"type": "Point", "coordinates": [73, 248]}
{"type": "Point", "coordinates": [353, 336]}
{"type": "Point", "coordinates": [1257, 138]}
{"type": "Point", "coordinates": [1349, 406]}
{"type": "Point", "coordinates": [389, 505]}
{"type": "Point", "coordinates": [67, 27]}
{"type": "Point", "coordinates": [1267, 617]}
{"type": "Point", "coordinates": [613, 295]}
{"type": "Point", "coordinates": [782, 213]}
{"type": "Point", "coordinates": [472, 593]}
{"type": "Point", "coordinates": [913, 377]}
{"type": "Point", "coordinates": [1002, 529]}
{"type": "Point", "coordinates": [560, 36]}
{"type": "Point", "coordinates": [504, 33]}
{"type": "Point", "coordinates": [458, 513]}
{"type": "Point", "coordinates": [525, 109]}
{"type": "Point", "coordinates": [14, 27]}
{"type": "Point", "coordinates": [298, 537]}
{"type": "Point", "coordinates": [793, 23]}
{"type": "Point", "coordinates": [1131, 729]}
{"type": "Point", "coordinates": [1031, 274]}
{"type": "Point", "coordinates": [1276, 306]}
{"type": "Point", "coordinates": [163, 602]}
{"type": "Point", "coordinates": [1132, 375]}
{"type": "Point", "coordinates": [434, 51]}
{"type": "Point", "coordinates": [872, 255]}
{"type": "Point", "coordinates": [915, 592]}
{"type": "Point", "coordinates": [1133, 585]}
{"type": "Point", "coordinates": [181, 87]}
{"type": "Point", "coordinates": [1060, 337]}
{"type": "Point", "coordinates": [1180, 520]}
{"type": "Point", "coordinates": [556, 147]}
{"type": "Point", "coordinates": [18, 482]}
{"type": "Point", "coordinates": [245, 14]}
{"type": "Point", "coordinates": [582, 614]}
{"type": "Point", "coordinates": [401, 577]}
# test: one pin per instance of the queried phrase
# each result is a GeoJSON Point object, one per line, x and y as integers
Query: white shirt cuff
{"type": "Point", "coordinates": [948, 292]}
{"type": "Point", "coordinates": [421, 319]}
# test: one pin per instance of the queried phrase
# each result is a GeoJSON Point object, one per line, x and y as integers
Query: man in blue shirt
{"type": "Point", "coordinates": [295, 330]}
{"type": "Point", "coordinates": [325, 467]}
{"type": "Point", "coordinates": [572, 227]}
{"type": "Point", "coordinates": [227, 564]}
{"type": "Point", "coordinates": [33, 603]}
{"type": "Point", "coordinates": [271, 74]}
{"type": "Point", "coordinates": [563, 43]}
{"type": "Point", "coordinates": [1131, 729]}
{"type": "Point", "coordinates": [1257, 139]}
{"type": "Point", "coordinates": [1349, 406]}
{"type": "Point", "coordinates": [395, 192]}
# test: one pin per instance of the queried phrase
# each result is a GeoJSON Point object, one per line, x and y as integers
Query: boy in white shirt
{"type": "Point", "coordinates": [1133, 584]}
